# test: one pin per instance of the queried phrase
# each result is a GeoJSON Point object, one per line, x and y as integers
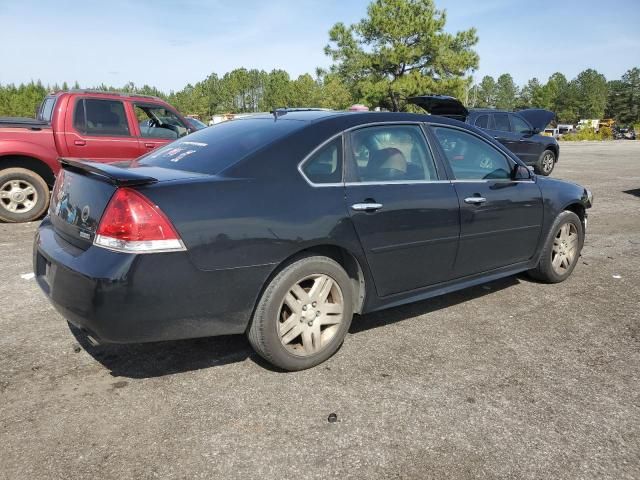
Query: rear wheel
{"type": "Point", "coordinates": [24, 195]}
{"type": "Point", "coordinates": [546, 163]}
{"type": "Point", "coordinates": [562, 249]}
{"type": "Point", "coordinates": [303, 315]}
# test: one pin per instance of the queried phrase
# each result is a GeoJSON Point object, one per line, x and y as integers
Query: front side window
{"type": "Point", "coordinates": [100, 117]}
{"type": "Point", "coordinates": [470, 157]}
{"type": "Point", "coordinates": [158, 122]}
{"type": "Point", "coordinates": [501, 121]}
{"type": "Point", "coordinates": [325, 166]}
{"type": "Point", "coordinates": [519, 125]}
{"type": "Point", "coordinates": [391, 153]}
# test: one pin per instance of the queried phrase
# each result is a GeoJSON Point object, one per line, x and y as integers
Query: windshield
{"type": "Point", "coordinates": [213, 149]}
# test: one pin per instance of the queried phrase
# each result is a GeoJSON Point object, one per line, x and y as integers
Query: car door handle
{"type": "Point", "coordinates": [79, 143]}
{"type": "Point", "coordinates": [366, 207]}
{"type": "Point", "coordinates": [150, 145]}
{"type": "Point", "coordinates": [475, 200]}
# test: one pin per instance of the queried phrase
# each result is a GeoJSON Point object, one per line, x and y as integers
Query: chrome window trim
{"type": "Point", "coordinates": [312, 153]}
{"type": "Point", "coordinates": [504, 180]}
{"type": "Point", "coordinates": [398, 182]}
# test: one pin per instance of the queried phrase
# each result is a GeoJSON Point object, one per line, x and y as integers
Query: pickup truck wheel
{"type": "Point", "coordinates": [546, 163]}
{"type": "Point", "coordinates": [303, 315]}
{"type": "Point", "coordinates": [24, 195]}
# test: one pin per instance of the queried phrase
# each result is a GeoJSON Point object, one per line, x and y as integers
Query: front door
{"type": "Point", "coordinates": [99, 131]}
{"type": "Point", "coordinates": [500, 218]}
{"type": "Point", "coordinates": [528, 149]}
{"type": "Point", "coordinates": [157, 126]}
{"type": "Point", "coordinates": [407, 219]}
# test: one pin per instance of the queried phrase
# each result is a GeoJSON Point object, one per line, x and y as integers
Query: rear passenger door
{"type": "Point", "coordinates": [100, 130]}
{"type": "Point", "coordinates": [406, 215]}
{"type": "Point", "coordinates": [500, 218]}
{"type": "Point", "coordinates": [501, 131]}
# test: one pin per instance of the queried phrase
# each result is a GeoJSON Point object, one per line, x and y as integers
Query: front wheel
{"type": "Point", "coordinates": [561, 250]}
{"type": "Point", "coordinates": [24, 195]}
{"type": "Point", "coordinates": [546, 163]}
{"type": "Point", "coordinates": [303, 315]}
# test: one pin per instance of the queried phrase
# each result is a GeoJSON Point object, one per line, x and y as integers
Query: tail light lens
{"type": "Point", "coordinates": [55, 194]}
{"type": "Point", "coordinates": [131, 223]}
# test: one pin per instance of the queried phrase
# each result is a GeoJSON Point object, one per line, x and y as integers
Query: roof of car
{"type": "Point", "coordinates": [353, 117]}
{"type": "Point", "coordinates": [106, 93]}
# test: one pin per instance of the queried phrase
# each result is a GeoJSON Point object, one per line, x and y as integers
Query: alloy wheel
{"type": "Point", "coordinates": [565, 248]}
{"type": "Point", "coordinates": [310, 315]}
{"type": "Point", "coordinates": [547, 162]}
{"type": "Point", "coordinates": [18, 196]}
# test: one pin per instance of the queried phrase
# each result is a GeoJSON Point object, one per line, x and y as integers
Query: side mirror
{"type": "Point", "coordinates": [520, 172]}
{"type": "Point", "coordinates": [535, 131]}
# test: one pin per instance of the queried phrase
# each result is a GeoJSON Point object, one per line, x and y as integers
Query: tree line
{"type": "Point", "coordinates": [398, 50]}
{"type": "Point", "coordinates": [589, 95]}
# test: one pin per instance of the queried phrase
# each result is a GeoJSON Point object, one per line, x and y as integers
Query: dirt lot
{"type": "Point", "coordinates": [509, 380]}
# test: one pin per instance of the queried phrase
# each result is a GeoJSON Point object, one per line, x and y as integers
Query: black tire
{"type": "Point", "coordinates": [263, 332]}
{"type": "Point", "coordinates": [546, 163]}
{"type": "Point", "coordinates": [17, 203]}
{"type": "Point", "coordinates": [545, 271]}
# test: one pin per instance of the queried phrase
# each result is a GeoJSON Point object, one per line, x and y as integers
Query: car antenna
{"type": "Point", "coordinates": [277, 112]}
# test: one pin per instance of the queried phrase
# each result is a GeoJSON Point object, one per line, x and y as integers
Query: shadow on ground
{"type": "Point", "coordinates": [165, 358]}
{"type": "Point", "coordinates": [635, 192]}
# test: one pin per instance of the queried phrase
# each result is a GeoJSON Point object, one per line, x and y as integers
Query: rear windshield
{"type": "Point", "coordinates": [213, 149]}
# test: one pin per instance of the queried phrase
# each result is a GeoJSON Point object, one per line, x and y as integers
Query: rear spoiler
{"type": "Point", "coordinates": [110, 173]}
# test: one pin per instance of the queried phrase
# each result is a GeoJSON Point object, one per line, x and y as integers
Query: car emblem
{"type": "Point", "coordinates": [85, 213]}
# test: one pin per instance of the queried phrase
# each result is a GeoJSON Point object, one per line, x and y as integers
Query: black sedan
{"type": "Point", "coordinates": [283, 226]}
{"type": "Point", "coordinates": [519, 131]}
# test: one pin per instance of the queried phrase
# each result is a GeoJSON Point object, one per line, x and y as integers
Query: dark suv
{"type": "Point", "coordinates": [518, 131]}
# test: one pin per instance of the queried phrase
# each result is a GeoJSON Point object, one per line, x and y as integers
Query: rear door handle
{"type": "Point", "coordinates": [475, 200]}
{"type": "Point", "coordinates": [366, 207]}
{"type": "Point", "coordinates": [79, 143]}
{"type": "Point", "coordinates": [150, 145]}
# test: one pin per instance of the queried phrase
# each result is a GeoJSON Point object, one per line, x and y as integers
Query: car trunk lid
{"type": "Point", "coordinates": [84, 189]}
{"type": "Point", "coordinates": [442, 105]}
{"type": "Point", "coordinates": [537, 117]}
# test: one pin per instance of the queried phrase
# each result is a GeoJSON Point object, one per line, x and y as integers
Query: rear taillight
{"type": "Point", "coordinates": [57, 190]}
{"type": "Point", "coordinates": [131, 223]}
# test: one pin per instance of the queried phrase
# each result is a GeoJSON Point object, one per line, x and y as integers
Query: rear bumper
{"type": "Point", "coordinates": [125, 298]}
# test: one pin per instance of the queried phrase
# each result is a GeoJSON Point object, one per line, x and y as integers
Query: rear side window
{"type": "Point", "coordinates": [213, 149]}
{"type": "Point", "coordinates": [325, 166]}
{"type": "Point", "coordinates": [482, 121]}
{"type": "Point", "coordinates": [501, 121]}
{"type": "Point", "coordinates": [46, 111]}
{"type": "Point", "coordinates": [391, 153]}
{"type": "Point", "coordinates": [100, 117]}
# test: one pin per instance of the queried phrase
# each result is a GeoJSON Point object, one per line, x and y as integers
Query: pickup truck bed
{"type": "Point", "coordinates": [22, 122]}
{"type": "Point", "coordinates": [80, 125]}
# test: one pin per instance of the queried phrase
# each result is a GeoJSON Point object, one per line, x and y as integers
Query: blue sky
{"type": "Point", "coordinates": [171, 43]}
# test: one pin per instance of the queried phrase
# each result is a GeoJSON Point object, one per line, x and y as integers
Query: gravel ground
{"type": "Point", "coordinates": [512, 379]}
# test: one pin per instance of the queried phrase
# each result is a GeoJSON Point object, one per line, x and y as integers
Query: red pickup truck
{"type": "Point", "coordinates": [81, 125]}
